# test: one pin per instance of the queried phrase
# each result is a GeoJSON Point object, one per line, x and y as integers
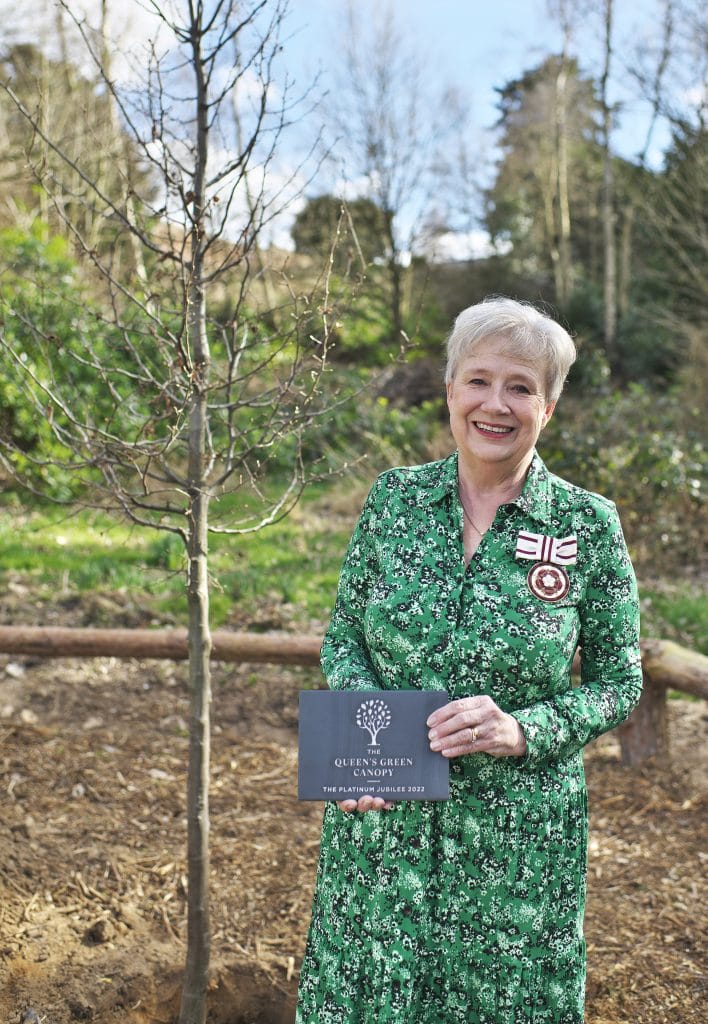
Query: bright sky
{"type": "Point", "coordinates": [480, 44]}
{"type": "Point", "coordinates": [474, 45]}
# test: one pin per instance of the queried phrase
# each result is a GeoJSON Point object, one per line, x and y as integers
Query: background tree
{"type": "Point", "coordinates": [544, 198]}
{"type": "Point", "coordinates": [394, 129]}
{"type": "Point", "coordinates": [357, 225]}
{"type": "Point", "coordinates": [43, 181]}
{"type": "Point", "coordinates": [608, 196]}
{"type": "Point", "coordinates": [193, 387]}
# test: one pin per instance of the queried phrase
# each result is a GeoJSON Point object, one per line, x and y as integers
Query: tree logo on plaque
{"type": "Point", "coordinates": [373, 716]}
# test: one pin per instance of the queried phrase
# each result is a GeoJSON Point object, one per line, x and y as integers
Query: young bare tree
{"type": "Point", "coordinates": [175, 385]}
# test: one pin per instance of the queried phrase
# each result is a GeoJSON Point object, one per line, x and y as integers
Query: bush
{"type": "Point", "coordinates": [647, 453]}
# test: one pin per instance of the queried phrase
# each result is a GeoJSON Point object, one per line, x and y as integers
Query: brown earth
{"type": "Point", "coordinates": [92, 850]}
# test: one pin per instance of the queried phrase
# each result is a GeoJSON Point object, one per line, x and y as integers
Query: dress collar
{"type": "Point", "coordinates": [535, 499]}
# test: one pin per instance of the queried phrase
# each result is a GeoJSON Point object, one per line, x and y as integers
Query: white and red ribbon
{"type": "Point", "coordinates": [541, 548]}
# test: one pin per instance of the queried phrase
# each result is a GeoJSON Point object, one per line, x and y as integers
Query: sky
{"type": "Point", "coordinates": [481, 44]}
{"type": "Point", "coordinates": [473, 45]}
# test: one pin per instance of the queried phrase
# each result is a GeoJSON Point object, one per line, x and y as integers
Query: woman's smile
{"type": "Point", "coordinates": [490, 428]}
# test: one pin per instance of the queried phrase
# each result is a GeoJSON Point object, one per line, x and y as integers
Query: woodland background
{"type": "Point", "coordinates": [613, 247]}
{"type": "Point", "coordinates": [169, 373]}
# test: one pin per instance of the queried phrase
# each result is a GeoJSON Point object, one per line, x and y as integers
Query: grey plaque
{"type": "Point", "coordinates": [358, 742]}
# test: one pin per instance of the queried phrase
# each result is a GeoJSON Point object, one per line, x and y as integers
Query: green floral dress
{"type": "Point", "coordinates": [470, 910]}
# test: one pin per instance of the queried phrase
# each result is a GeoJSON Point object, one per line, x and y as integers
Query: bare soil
{"type": "Point", "coordinates": [92, 848]}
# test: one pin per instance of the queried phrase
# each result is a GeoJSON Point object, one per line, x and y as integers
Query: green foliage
{"type": "Point", "coordinates": [363, 331]}
{"type": "Point", "coordinates": [39, 304]}
{"type": "Point", "coordinates": [283, 577]}
{"type": "Point", "coordinates": [645, 449]}
{"type": "Point", "coordinates": [522, 206]}
{"type": "Point", "coordinates": [62, 359]}
{"type": "Point", "coordinates": [674, 231]}
{"type": "Point", "coordinates": [365, 425]}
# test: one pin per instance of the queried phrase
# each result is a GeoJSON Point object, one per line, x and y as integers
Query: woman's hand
{"type": "Point", "coordinates": [365, 803]}
{"type": "Point", "coordinates": [475, 725]}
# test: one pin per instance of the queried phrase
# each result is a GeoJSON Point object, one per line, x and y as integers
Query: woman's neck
{"type": "Point", "coordinates": [492, 483]}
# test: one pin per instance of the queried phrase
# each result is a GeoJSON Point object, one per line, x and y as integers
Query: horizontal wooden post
{"type": "Point", "coordinates": [675, 667]}
{"type": "Point", "coordinates": [666, 665]}
{"type": "Point", "coordinates": [171, 644]}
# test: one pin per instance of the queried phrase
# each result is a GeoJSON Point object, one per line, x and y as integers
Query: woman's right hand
{"type": "Point", "coordinates": [365, 803]}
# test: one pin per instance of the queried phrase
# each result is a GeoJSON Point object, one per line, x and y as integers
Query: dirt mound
{"type": "Point", "coordinates": [92, 851]}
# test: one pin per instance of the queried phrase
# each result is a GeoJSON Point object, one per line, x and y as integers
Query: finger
{"type": "Point", "coordinates": [451, 709]}
{"type": "Point", "coordinates": [377, 804]}
{"type": "Point", "coordinates": [456, 746]}
{"type": "Point", "coordinates": [465, 739]}
{"type": "Point", "coordinates": [364, 803]}
{"type": "Point", "coordinates": [346, 805]}
{"type": "Point", "coordinates": [467, 719]}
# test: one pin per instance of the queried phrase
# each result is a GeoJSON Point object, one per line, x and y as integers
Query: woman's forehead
{"type": "Point", "coordinates": [499, 354]}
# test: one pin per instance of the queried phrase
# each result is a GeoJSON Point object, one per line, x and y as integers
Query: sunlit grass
{"type": "Point", "coordinates": [286, 573]}
{"type": "Point", "coordinates": [291, 566]}
{"type": "Point", "coordinates": [677, 613]}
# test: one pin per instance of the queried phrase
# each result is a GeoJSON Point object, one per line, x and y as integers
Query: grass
{"type": "Point", "coordinates": [676, 612]}
{"type": "Point", "coordinates": [293, 565]}
{"type": "Point", "coordinates": [282, 577]}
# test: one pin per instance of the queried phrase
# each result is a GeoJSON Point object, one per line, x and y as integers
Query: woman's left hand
{"type": "Point", "coordinates": [475, 725]}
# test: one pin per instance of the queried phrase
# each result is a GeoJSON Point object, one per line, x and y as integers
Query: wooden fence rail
{"type": "Point", "coordinates": [171, 644]}
{"type": "Point", "coordinates": [666, 665]}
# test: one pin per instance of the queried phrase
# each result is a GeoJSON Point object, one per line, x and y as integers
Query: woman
{"type": "Point", "coordinates": [479, 574]}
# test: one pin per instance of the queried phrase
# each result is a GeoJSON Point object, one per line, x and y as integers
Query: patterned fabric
{"type": "Point", "coordinates": [471, 910]}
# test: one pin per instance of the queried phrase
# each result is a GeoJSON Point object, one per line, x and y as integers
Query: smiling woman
{"type": "Point", "coordinates": [498, 408]}
{"type": "Point", "coordinates": [480, 575]}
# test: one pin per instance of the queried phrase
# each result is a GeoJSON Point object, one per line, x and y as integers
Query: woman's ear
{"type": "Point", "coordinates": [547, 413]}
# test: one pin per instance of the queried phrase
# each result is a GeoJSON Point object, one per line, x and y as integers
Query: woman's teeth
{"type": "Point", "coordinates": [492, 429]}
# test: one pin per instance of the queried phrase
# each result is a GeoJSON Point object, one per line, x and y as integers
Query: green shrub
{"type": "Point", "coordinates": [646, 452]}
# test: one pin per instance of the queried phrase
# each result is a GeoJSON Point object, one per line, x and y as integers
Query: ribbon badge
{"type": "Point", "coordinates": [547, 579]}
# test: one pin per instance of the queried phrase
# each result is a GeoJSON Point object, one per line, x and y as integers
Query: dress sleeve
{"type": "Point", "coordinates": [611, 670]}
{"type": "Point", "coordinates": [344, 656]}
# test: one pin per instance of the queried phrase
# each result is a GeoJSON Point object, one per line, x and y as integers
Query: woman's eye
{"type": "Point", "coordinates": [476, 381]}
{"type": "Point", "coordinates": [521, 389]}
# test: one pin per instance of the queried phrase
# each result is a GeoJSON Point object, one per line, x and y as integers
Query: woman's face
{"type": "Point", "coordinates": [497, 404]}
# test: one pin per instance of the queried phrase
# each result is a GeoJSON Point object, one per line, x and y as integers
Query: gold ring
{"type": "Point", "coordinates": [474, 735]}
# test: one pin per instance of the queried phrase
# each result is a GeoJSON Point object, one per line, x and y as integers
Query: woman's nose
{"type": "Point", "coordinates": [495, 400]}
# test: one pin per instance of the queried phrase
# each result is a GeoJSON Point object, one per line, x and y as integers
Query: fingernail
{"type": "Point", "coordinates": [436, 745]}
{"type": "Point", "coordinates": [432, 734]}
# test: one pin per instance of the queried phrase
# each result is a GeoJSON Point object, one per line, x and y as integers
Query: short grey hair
{"type": "Point", "coordinates": [530, 335]}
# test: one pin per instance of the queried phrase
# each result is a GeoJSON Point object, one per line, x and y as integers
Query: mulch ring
{"type": "Point", "coordinates": [92, 852]}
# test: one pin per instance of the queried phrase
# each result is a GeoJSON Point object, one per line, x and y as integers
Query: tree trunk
{"type": "Point", "coordinates": [625, 262]}
{"type": "Point", "coordinates": [394, 271]}
{"type": "Point", "coordinates": [646, 733]}
{"type": "Point", "coordinates": [608, 213]}
{"type": "Point", "coordinates": [564, 228]}
{"type": "Point", "coordinates": [120, 142]}
{"type": "Point", "coordinates": [193, 1006]}
{"type": "Point", "coordinates": [396, 300]}
{"type": "Point", "coordinates": [549, 185]}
